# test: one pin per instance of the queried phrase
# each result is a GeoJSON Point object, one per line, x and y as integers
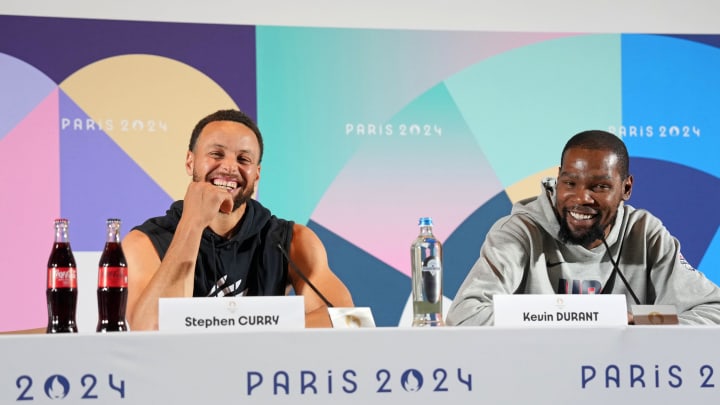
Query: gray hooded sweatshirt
{"type": "Point", "coordinates": [523, 255]}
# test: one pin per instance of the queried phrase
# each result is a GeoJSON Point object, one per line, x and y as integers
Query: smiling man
{"type": "Point", "coordinates": [219, 241]}
{"type": "Point", "coordinates": [565, 241]}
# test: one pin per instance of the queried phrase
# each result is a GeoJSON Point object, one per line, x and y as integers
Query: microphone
{"type": "Point", "coordinates": [302, 276]}
{"type": "Point", "coordinates": [616, 271]}
{"type": "Point", "coordinates": [648, 314]}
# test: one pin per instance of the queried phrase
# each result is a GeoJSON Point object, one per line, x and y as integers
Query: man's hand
{"type": "Point", "coordinates": [203, 201]}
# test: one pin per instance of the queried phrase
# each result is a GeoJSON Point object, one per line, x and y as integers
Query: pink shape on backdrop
{"type": "Point", "coordinates": [377, 208]}
{"type": "Point", "coordinates": [30, 180]}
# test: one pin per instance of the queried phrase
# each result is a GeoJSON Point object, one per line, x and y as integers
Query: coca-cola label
{"type": "Point", "coordinates": [62, 277]}
{"type": "Point", "coordinates": [112, 277]}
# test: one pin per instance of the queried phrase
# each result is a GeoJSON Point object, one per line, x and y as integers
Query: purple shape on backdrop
{"type": "Point", "coordinates": [672, 193]}
{"type": "Point", "coordinates": [61, 46]}
{"type": "Point", "coordinates": [98, 181]}
{"type": "Point", "coordinates": [712, 40]}
{"type": "Point", "coordinates": [23, 88]}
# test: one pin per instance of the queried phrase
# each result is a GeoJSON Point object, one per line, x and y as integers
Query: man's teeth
{"type": "Point", "coordinates": [228, 184]}
{"type": "Point", "coordinates": [580, 217]}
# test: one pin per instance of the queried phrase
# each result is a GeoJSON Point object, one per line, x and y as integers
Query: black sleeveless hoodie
{"type": "Point", "coordinates": [249, 263]}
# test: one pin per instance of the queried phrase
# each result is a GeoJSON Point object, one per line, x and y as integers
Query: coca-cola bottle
{"type": "Point", "coordinates": [61, 283]}
{"type": "Point", "coordinates": [112, 283]}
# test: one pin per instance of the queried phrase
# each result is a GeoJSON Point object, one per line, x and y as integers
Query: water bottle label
{"type": "Point", "coordinates": [431, 263]}
{"type": "Point", "coordinates": [112, 277]}
{"type": "Point", "coordinates": [62, 277]}
{"type": "Point", "coordinates": [431, 280]}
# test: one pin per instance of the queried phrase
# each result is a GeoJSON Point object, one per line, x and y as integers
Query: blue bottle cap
{"type": "Point", "coordinates": [425, 221]}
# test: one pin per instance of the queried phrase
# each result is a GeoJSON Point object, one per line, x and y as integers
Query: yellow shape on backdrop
{"type": "Point", "coordinates": [529, 186]}
{"type": "Point", "coordinates": [148, 105]}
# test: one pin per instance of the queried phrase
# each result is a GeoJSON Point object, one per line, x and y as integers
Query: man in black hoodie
{"type": "Point", "coordinates": [218, 241]}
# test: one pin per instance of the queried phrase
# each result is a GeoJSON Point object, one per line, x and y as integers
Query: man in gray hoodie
{"type": "Point", "coordinates": [565, 241]}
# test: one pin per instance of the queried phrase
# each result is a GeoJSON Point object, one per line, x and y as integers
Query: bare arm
{"type": "Point", "coordinates": [308, 253]}
{"type": "Point", "coordinates": [150, 279]}
{"type": "Point", "coordinates": [24, 331]}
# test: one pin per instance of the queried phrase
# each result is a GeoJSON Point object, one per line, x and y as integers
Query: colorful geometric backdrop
{"type": "Point", "coordinates": [365, 131]}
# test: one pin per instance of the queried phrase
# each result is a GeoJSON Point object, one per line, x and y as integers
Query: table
{"type": "Point", "coordinates": [462, 365]}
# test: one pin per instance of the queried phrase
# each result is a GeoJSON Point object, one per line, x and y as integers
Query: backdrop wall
{"type": "Point", "coordinates": [367, 126]}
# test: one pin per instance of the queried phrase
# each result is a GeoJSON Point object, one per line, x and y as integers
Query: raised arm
{"type": "Point", "coordinates": [308, 253]}
{"type": "Point", "coordinates": [149, 278]}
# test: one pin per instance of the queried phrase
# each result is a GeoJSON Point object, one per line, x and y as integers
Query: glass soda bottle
{"type": "Point", "coordinates": [112, 287]}
{"type": "Point", "coordinates": [427, 291]}
{"type": "Point", "coordinates": [62, 289]}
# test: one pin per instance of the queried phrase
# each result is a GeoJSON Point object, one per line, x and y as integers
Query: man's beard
{"type": "Point", "coordinates": [238, 201]}
{"type": "Point", "coordinates": [241, 199]}
{"type": "Point", "coordinates": [566, 236]}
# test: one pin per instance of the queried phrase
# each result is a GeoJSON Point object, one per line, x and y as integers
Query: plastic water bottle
{"type": "Point", "coordinates": [426, 260]}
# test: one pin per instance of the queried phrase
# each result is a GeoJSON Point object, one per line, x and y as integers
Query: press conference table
{"type": "Point", "coordinates": [633, 365]}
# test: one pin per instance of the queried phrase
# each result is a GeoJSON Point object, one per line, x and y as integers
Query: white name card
{"type": "Point", "coordinates": [206, 314]}
{"type": "Point", "coordinates": [538, 310]}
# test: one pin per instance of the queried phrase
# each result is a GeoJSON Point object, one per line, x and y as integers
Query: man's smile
{"type": "Point", "coordinates": [226, 184]}
{"type": "Point", "coordinates": [581, 217]}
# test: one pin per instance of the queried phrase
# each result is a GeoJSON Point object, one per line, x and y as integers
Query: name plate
{"type": "Point", "coordinates": [540, 310]}
{"type": "Point", "coordinates": [353, 317]}
{"type": "Point", "coordinates": [206, 314]}
{"type": "Point", "coordinates": [654, 314]}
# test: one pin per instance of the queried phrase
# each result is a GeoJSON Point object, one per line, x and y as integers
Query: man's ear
{"type": "Point", "coordinates": [189, 163]}
{"type": "Point", "coordinates": [627, 188]}
{"type": "Point", "coordinates": [257, 183]}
